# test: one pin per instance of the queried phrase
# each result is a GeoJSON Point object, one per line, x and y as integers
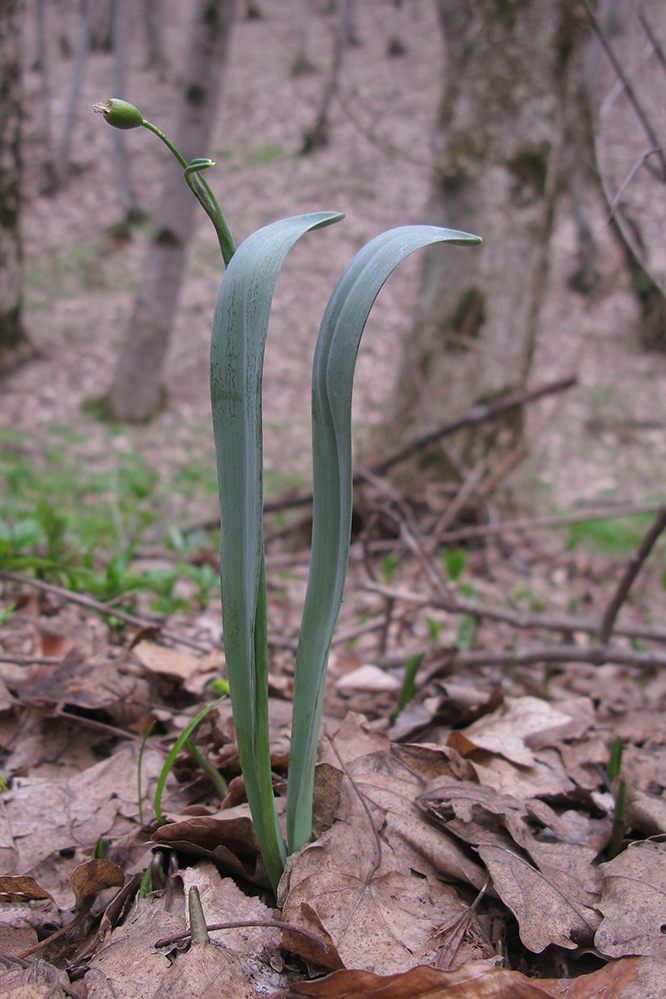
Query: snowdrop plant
{"type": "Point", "coordinates": [239, 331]}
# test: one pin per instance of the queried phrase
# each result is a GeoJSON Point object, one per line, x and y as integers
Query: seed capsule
{"type": "Point", "coordinates": [119, 113]}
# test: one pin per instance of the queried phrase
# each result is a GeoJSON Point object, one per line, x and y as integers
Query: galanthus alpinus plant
{"type": "Point", "coordinates": [240, 325]}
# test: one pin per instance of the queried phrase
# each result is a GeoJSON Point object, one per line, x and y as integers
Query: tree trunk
{"type": "Point", "coordinates": [153, 17]}
{"type": "Point", "coordinates": [127, 203]}
{"type": "Point", "coordinates": [499, 148]}
{"type": "Point", "coordinates": [12, 334]}
{"type": "Point", "coordinates": [138, 392]}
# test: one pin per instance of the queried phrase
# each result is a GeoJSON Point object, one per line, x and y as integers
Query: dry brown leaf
{"type": "Point", "coordinates": [319, 953]}
{"type": "Point", "coordinates": [377, 911]}
{"type": "Point", "coordinates": [353, 739]}
{"type": "Point", "coordinates": [227, 838]}
{"type": "Point", "coordinates": [379, 919]}
{"type": "Point", "coordinates": [205, 972]}
{"type": "Point", "coordinates": [390, 782]}
{"type": "Point", "coordinates": [506, 730]}
{"type": "Point", "coordinates": [46, 816]}
{"type": "Point", "coordinates": [628, 978]}
{"type": "Point", "coordinates": [21, 889]}
{"type": "Point", "coordinates": [172, 662]}
{"type": "Point", "coordinates": [472, 981]}
{"type": "Point", "coordinates": [94, 876]}
{"type": "Point", "coordinates": [555, 879]}
{"type": "Point", "coordinates": [646, 813]}
{"type": "Point", "coordinates": [128, 966]}
{"type": "Point", "coordinates": [39, 981]}
{"type": "Point", "coordinates": [545, 776]}
{"type": "Point", "coordinates": [548, 911]}
{"type": "Point", "coordinates": [222, 900]}
{"type": "Point", "coordinates": [634, 917]}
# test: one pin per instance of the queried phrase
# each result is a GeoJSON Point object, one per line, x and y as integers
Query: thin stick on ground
{"type": "Point", "coordinates": [631, 571]}
{"type": "Point", "coordinates": [516, 619]}
{"type": "Point", "coordinates": [479, 414]}
{"type": "Point", "coordinates": [100, 608]}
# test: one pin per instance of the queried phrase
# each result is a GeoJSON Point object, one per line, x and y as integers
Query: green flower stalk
{"type": "Point", "coordinates": [240, 325]}
{"type": "Point", "coordinates": [121, 114]}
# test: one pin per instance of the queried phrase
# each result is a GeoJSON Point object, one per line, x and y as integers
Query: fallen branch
{"type": "Point", "coordinates": [479, 414]}
{"type": "Point", "coordinates": [523, 622]}
{"type": "Point", "coordinates": [539, 523]}
{"type": "Point", "coordinates": [100, 608]}
{"type": "Point", "coordinates": [595, 655]}
{"type": "Point", "coordinates": [633, 568]}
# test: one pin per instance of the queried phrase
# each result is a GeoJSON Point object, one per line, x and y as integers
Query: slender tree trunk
{"type": "Point", "coordinates": [152, 19]}
{"type": "Point", "coordinates": [64, 146]}
{"type": "Point", "coordinates": [138, 392]}
{"type": "Point", "coordinates": [499, 146]}
{"type": "Point", "coordinates": [12, 334]}
{"type": "Point", "coordinates": [317, 136]}
{"type": "Point", "coordinates": [120, 25]}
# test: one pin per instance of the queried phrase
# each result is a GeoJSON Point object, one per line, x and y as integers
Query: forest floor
{"type": "Point", "coordinates": [472, 836]}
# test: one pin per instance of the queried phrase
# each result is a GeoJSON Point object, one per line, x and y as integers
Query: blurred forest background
{"type": "Point", "coordinates": [505, 121]}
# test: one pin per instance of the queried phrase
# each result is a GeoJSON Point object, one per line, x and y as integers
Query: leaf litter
{"type": "Point", "coordinates": [435, 860]}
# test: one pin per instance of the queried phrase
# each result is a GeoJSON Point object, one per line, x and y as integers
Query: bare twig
{"type": "Point", "coordinates": [100, 608]}
{"type": "Point", "coordinates": [627, 181]}
{"type": "Point", "coordinates": [632, 569]}
{"type": "Point", "coordinates": [516, 619]}
{"type": "Point", "coordinates": [658, 51]}
{"type": "Point", "coordinates": [539, 523]}
{"type": "Point", "coordinates": [468, 488]}
{"type": "Point", "coordinates": [596, 655]}
{"type": "Point", "coordinates": [631, 94]}
{"type": "Point", "coordinates": [18, 660]}
{"type": "Point", "coordinates": [479, 414]}
{"type": "Point", "coordinates": [272, 924]}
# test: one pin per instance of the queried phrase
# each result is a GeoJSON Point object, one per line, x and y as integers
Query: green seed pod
{"type": "Point", "coordinates": [119, 113]}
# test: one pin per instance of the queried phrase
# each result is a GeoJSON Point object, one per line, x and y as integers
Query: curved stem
{"type": "Point", "coordinates": [202, 192]}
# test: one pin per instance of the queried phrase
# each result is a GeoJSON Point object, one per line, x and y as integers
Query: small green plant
{"type": "Point", "coordinates": [613, 771]}
{"type": "Point", "coordinates": [239, 331]}
{"type": "Point", "coordinates": [408, 689]}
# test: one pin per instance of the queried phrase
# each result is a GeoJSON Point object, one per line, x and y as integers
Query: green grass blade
{"type": "Point", "coordinates": [237, 350]}
{"type": "Point", "coordinates": [332, 383]}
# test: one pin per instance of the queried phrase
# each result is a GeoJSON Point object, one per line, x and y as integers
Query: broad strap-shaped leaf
{"type": "Point", "coordinates": [332, 383]}
{"type": "Point", "coordinates": [238, 339]}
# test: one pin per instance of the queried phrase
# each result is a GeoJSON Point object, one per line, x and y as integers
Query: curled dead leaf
{"type": "Point", "coordinates": [471, 981]}
{"type": "Point", "coordinates": [22, 888]}
{"type": "Point", "coordinates": [94, 876]}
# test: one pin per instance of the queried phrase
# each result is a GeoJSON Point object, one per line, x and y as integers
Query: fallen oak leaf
{"type": "Point", "coordinates": [94, 876]}
{"type": "Point", "coordinates": [471, 981]}
{"type": "Point", "coordinates": [547, 912]}
{"type": "Point", "coordinates": [632, 902]}
{"type": "Point", "coordinates": [22, 888]}
{"type": "Point", "coordinates": [640, 978]}
{"type": "Point", "coordinates": [554, 879]}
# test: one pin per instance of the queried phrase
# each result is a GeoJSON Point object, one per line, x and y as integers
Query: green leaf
{"type": "Point", "coordinates": [240, 324]}
{"type": "Point", "coordinates": [408, 690]}
{"type": "Point", "coordinates": [332, 383]}
{"type": "Point", "coordinates": [454, 560]}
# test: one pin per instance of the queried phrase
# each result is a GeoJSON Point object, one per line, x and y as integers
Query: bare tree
{"type": "Point", "coordinates": [153, 14]}
{"type": "Point", "coordinates": [509, 89]}
{"type": "Point", "coordinates": [12, 334]}
{"type": "Point", "coordinates": [120, 25]}
{"type": "Point", "coordinates": [83, 47]}
{"type": "Point", "coordinates": [137, 391]}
